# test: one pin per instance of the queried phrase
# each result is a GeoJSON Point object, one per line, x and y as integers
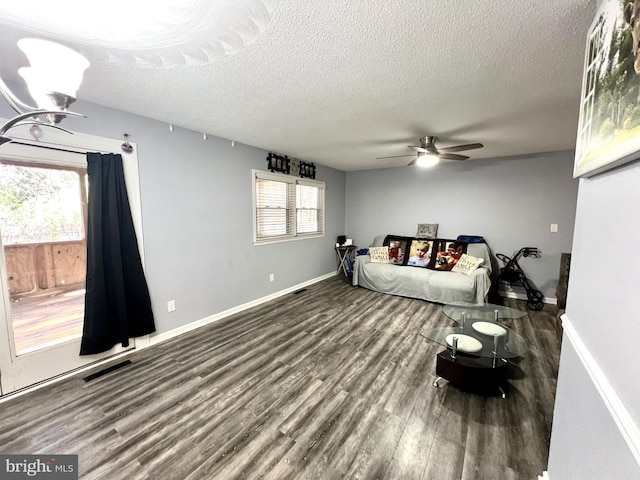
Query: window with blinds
{"type": "Point", "coordinates": [286, 207]}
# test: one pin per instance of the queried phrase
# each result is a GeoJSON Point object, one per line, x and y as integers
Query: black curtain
{"type": "Point", "coordinates": [117, 303]}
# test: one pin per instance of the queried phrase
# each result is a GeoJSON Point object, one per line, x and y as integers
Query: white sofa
{"type": "Point", "coordinates": [419, 282]}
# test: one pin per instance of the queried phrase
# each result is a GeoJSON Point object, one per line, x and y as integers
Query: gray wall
{"type": "Point", "coordinates": [602, 307]}
{"type": "Point", "coordinates": [197, 219]}
{"type": "Point", "coordinates": [509, 201]}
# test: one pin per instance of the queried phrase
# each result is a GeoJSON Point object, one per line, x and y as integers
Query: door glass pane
{"type": "Point", "coordinates": [42, 225]}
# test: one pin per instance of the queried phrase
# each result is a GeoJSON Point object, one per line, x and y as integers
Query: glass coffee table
{"type": "Point", "coordinates": [481, 311]}
{"type": "Point", "coordinates": [477, 347]}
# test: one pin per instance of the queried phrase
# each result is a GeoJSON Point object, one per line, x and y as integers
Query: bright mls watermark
{"type": "Point", "coordinates": [50, 467]}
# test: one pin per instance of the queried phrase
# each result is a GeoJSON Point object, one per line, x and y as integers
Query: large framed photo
{"type": "Point", "coordinates": [609, 127]}
{"type": "Point", "coordinates": [398, 248]}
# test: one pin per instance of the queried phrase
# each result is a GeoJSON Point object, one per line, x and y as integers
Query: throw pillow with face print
{"type": "Point", "coordinates": [398, 248]}
{"type": "Point", "coordinates": [447, 255]}
{"type": "Point", "coordinates": [420, 253]}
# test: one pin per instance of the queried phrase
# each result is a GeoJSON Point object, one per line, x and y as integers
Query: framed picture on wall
{"type": "Point", "coordinates": [609, 126]}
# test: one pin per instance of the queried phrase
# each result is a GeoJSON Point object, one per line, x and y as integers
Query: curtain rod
{"type": "Point", "coordinates": [47, 147]}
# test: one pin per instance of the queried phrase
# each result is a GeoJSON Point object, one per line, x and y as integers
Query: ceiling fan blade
{"type": "Point", "coordinates": [412, 162]}
{"type": "Point", "coordinates": [452, 156]}
{"type": "Point", "coordinates": [419, 149]}
{"type": "Point", "coordinates": [461, 148]}
{"type": "Point", "coordinates": [397, 156]}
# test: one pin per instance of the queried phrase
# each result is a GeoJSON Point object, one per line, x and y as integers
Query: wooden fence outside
{"type": "Point", "coordinates": [34, 269]}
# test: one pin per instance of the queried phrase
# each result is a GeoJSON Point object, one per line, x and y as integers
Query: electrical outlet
{"type": "Point", "coordinates": [554, 228]}
{"type": "Point", "coordinates": [171, 306]}
{"type": "Point", "coordinates": [272, 277]}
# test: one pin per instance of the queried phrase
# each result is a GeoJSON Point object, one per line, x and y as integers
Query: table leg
{"type": "Point", "coordinates": [502, 392]}
{"type": "Point", "coordinates": [343, 254]}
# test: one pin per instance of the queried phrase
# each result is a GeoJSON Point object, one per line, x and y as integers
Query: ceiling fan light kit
{"type": "Point", "coordinates": [427, 160]}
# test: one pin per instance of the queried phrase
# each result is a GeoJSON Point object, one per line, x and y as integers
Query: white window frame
{"type": "Point", "coordinates": [292, 182]}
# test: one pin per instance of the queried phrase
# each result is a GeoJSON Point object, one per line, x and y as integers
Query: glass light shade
{"type": "Point", "coordinates": [54, 68]}
{"type": "Point", "coordinates": [37, 88]}
{"type": "Point", "coordinates": [427, 160]}
{"type": "Point", "coordinates": [146, 33]}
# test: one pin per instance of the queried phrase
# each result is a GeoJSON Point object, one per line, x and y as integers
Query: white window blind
{"type": "Point", "coordinates": [286, 207]}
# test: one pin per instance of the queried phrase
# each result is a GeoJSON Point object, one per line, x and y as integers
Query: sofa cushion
{"type": "Point", "coordinates": [467, 264]}
{"type": "Point", "coordinates": [378, 240]}
{"type": "Point", "coordinates": [481, 250]}
{"type": "Point", "coordinates": [379, 254]}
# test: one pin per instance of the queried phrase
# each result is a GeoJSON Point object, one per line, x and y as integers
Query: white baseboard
{"type": "Point", "coordinates": [523, 296]}
{"type": "Point", "coordinates": [148, 340]}
{"type": "Point", "coordinates": [621, 416]}
{"type": "Point", "coordinates": [544, 476]}
{"type": "Point", "coordinates": [163, 337]}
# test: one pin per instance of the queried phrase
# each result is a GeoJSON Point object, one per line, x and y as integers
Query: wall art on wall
{"type": "Point", "coordinates": [307, 170]}
{"type": "Point", "coordinates": [427, 230]}
{"type": "Point", "coordinates": [609, 126]}
{"type": "Point", "coordinates": [278, 163]}
{"type": "Point", "coordinates": [294, 167]}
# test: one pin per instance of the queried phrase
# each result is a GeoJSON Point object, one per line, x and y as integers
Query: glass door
{"type": "Point", "coordinates": [43, 215]}
{"type": "Point", "coordinates": [42, 229]}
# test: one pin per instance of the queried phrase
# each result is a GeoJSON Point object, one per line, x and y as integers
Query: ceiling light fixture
{"type": "Point", "coordinates": [144, 33]}
{"type": "Point", "coordinates": [53, 78]}
{"type": "Point", "coordinates": [427, 160]}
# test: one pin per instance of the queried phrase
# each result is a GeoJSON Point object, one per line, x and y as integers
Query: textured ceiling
{"type": "Point", "coordinates": [341, 83]}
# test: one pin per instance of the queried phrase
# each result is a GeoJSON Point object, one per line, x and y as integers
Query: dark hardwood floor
{"type": "Point", "coordinates": [334, 382]}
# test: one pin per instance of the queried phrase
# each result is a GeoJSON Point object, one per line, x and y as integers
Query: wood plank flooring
{"type": "Point", "coordinates": [334, 382]}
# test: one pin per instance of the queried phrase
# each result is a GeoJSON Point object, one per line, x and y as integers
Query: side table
{"type": "Point", "coordinates": [346, 255]}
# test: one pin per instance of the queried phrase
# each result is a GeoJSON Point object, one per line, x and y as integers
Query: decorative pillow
{"type": "Point", "coordinates": [420, 253]}
{"type": "Point", "coordinates": [447, 253]}
{"type": "Point", "coordinates": [379, 254]}
{"type": "Point", "coordinates": [398, 248]}
{"type": "Point", "coordinates": [467, 264]}
{"type": "Point", "coordinates": [427, 230]}
{"type": "Point", "coordinates": [470, 239]}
